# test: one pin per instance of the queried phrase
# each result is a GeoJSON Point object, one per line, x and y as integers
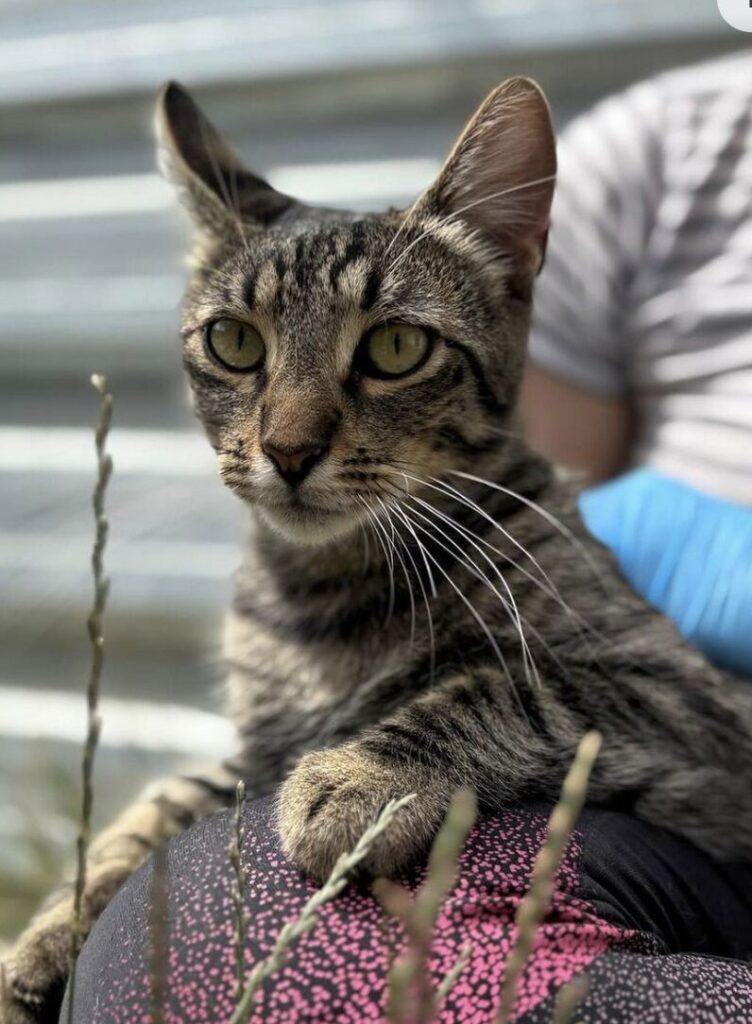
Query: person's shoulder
{"type": "Point", "coordinates": [645, 110]}
{"type": "Point", "coordinates": [730, 74]}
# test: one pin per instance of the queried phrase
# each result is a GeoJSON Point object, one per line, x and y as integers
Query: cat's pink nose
{"type": "Point", "coordinates": [295, 465]}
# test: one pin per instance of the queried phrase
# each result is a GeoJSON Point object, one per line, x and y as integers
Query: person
{"type": "Point", "coordinates": [660, 931]}
{"type": "Point", "coordinates": [641, 347]}
{"type": "Point", "coordinates": [640, 375]}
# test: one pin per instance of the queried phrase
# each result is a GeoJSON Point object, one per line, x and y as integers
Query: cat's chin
{"type": "Point", "coordinates": [307, 527]}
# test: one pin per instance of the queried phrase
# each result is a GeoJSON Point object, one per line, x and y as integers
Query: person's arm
{"type": "Point", "coordinates": [575, 399]}
{"type": "Point", "coordinates": [687, 553]}
{"type": "Point", "coordinates": [575, 427]}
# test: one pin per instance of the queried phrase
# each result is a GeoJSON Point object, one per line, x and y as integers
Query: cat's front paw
{"type": "Point", "coordinates": [332, 797]}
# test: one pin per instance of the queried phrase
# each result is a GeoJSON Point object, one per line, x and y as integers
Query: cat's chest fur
{"type": "Point", "coordinates": [310, 663]}
{"type": "Point", "coordinates": [288, 695]}
{"type": "Point", "coordinates": [315, 661]}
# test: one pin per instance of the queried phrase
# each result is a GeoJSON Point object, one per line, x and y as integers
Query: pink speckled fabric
{"type": "Point", "coordinates": [336, 973]}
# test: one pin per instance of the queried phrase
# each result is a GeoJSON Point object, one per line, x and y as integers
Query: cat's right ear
{"type": "Point", "coordinates": [499, 178]}
{"type": "Point", "coordinates": [218, 191]}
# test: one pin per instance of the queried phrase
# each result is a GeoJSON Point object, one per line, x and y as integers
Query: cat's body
{"type": "Point", "coordinates": [419, 606]}
{"type": "Point", "coordinates": [318, 661]}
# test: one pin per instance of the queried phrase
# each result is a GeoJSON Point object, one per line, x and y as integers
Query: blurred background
{"type": "Point", "coordinates": [344, 102]}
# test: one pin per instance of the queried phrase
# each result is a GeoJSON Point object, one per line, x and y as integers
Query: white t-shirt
{"type": "Point", "coordinates": [647, 287]}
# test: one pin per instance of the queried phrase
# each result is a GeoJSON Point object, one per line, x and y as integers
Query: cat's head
{"type": "Point", "coordinates": [337, 360]}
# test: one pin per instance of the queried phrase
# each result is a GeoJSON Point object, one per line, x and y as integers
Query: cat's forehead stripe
{"type": "Point", "coordinates": [371, 289]}
{"type": "Point", "coordinates": [249, 288]}
{"type": "Point", "coordinates": [342, 263]}
{"type": "Point", "coordinates": [267, 284]}
{"type": "Point", "coordinates": [354, 252]}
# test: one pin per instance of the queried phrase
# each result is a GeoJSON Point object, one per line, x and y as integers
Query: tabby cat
{"type": "Point", "coordinates": [419, 606]}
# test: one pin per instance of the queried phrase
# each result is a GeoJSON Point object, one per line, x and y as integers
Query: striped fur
{"type": "Point", "coordinates": [425, 610]}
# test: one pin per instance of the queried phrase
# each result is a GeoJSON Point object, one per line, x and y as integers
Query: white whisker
{"type": "Point", "coordinates": [547, 585]}
{"type": "Point", "coordinates": [544, 513]}
{"type": "Point", "coordinates": [396, 537]}
{"type": "Point", "coordinates": [468, 534]}
{"type": "Point", "coordinates": [511, 608]}
{"type": "Point", "coordinates": [366, 548]}
{"type": "Point", "coordinates": [383, 538]}
{"type": "Point", "coordinates": [469, 605]}
{"type": "Point", "coordinates": [426, 602]}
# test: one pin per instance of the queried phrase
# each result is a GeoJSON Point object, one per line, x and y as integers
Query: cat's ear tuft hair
{"type": "Point", "coordinates": [499, 178]}
{"type": "Point", "coordinates": [219, 192]}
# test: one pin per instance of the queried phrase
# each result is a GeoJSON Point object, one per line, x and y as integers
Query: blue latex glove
{"type": "Point", "coordinates": [688, 554]}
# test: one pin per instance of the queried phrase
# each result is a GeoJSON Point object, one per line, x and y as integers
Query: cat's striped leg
{"type": "Point", "coordinates": [665, 748]}
{"type": "Point", "coordinates": [37, 967]}
{"type": "Point", "coordinates": [451, 736]}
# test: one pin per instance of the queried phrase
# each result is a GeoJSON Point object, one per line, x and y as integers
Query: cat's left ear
{"type": "Point", "coordinates": [499, 178]}
{"type": "Point", "coordinates": [212, 181]}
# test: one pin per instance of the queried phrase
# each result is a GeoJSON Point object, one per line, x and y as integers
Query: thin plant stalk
{"type": "Point", "coordinates": [391, 941]}
{"type": "Point", "coordinates": [396, 904]}
{"type": "Point", "coordinates": [238, 884]}
{"type": "Point", "coordinates": [96, 640]}
{"type": "Point", "coordinates": [569, 998]}
{"type": "Point", "coordinates": [536, 901]}
{"type": "Point", "coordinates": [452, 976]}
{"type": "Point", "coordinates": [292, 931]}
{"type": "Point", "coordinates": [411, 994]}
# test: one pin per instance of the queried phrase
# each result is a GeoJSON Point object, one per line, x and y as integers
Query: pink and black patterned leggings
{"type": "Point", "coordinates": [663, 933]}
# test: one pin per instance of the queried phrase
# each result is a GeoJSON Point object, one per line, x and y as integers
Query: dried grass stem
{"type": "Point", "coordinates": [535, 903]}
{"type": "Point", "coordinates": [332, 887]}
{"type": "Point", "coordinates": [96, 639]}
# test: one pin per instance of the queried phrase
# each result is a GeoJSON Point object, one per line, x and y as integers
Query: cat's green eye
{"type": "Point", "coordinates": [236, 345]}
{"type": "Point", "coordinates": [395, 349]}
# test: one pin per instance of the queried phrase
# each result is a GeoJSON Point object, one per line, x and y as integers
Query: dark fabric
{"type": "Point", "coordinates": [650, 880]}
{"type": "Point", "coordinates": [646, 916]}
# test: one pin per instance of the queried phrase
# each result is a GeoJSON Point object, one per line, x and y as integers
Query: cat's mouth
{"type": "Point", "coordinates": [299, 505]}
{"type": "Point", "coordinates": [303, 521]}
